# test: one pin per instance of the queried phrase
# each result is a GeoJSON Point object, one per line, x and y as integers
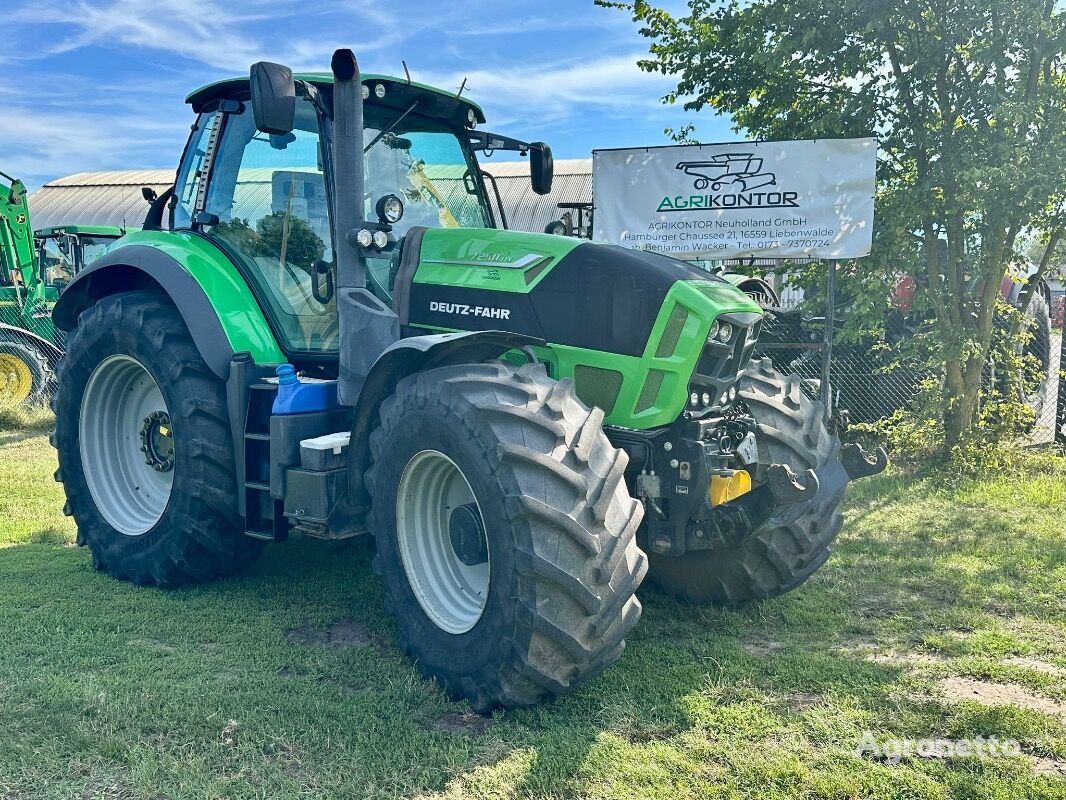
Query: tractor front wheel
{"type": "Point", "coordinates": [505, 532]}
{"type": "Point", "coordinates": [144, 446]}
{"type": "Point", "coordinates": [774, 559]}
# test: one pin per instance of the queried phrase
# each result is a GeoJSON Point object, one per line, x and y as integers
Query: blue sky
{"type": "Point", "coordinates": [100, 84]}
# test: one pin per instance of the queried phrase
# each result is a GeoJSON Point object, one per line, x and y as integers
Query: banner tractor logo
{"type": "Point", "coordinates": [735, 181]}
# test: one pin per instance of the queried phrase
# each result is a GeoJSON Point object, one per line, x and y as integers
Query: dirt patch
{"type": "Point", "coordinates": [1036, 665]}
{"type": "Point", "coordinates": [340, 635]}
{"type": "Point", "coordinates": [763, 649]}
{"type": "Point", "coordinates": [801, 701]}
{"type": "Point", "coordinates": [1049, 766]}
{"type": "Point", "coordinates": [468, 722]}
{"type": "Point", "coordinates": [1000, 694]}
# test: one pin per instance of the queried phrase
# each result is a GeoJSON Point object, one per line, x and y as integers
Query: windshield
{"type": "Point", "coordinates": [59, 257]}
{"type": "Point", "coordinates": [424, 164]}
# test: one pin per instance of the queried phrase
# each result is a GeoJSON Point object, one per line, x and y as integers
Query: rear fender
{"type": "Point", "coordinates": [406, 357]}
{"type": "Point", "coordinates": [137, 266]}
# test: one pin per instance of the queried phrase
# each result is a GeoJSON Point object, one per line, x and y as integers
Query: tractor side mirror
{"type": "Point", "coordinates": [541, 167]}
{"type": "Point", "coordinates": [273, 98]}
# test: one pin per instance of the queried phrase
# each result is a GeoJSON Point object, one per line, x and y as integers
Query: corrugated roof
{"type": "Point", "coordinates": [114, 198]}
{"type": "Point", "coordinates": [96, 198]}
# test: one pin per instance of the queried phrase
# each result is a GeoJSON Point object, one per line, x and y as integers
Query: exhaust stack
{"type": "Point", "coordinates": [349, 193]}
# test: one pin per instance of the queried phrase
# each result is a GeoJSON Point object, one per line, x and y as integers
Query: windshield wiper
{"type": "Point", "coordinates": [391, 127]}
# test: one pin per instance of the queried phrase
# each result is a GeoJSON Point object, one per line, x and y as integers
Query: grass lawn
{"type": "Point", "coordinates": [941, 614]}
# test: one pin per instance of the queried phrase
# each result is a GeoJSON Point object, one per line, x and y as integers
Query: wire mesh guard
{"type": "Point", "coordinates": [870, 381]}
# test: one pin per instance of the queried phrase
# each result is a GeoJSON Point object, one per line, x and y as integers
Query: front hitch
{"type": "Point", "coordinates": [787, 487]}
{"type": "Point", "coordinates": [860, 464]}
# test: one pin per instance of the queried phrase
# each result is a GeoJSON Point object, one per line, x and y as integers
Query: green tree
{"type": "Point", "coordinates": [967, 98]}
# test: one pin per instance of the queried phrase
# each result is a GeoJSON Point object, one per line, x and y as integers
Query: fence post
{"type": "Point", "coordinates": [824, 390]}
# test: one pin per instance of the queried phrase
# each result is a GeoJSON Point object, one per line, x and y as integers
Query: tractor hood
{"type": "Point", "coordinates": [563, 290]}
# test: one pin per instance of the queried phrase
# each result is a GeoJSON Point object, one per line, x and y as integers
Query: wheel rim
{"type": "Point", "coordinates": [126, 445]}
{"type": "Point", "coordinates": [16, 380]}
{"type": "Point", "coordinates": [437, 512]}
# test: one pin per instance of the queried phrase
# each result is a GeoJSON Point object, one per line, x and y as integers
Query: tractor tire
{"type": "Point", "coordinates": [774, 559]}
{"type": "Point", "coordinates": [24, 375]}
{"type": "Point", "coordinates": [144, 445]}
{"type": "Point", "coordinates": [505, 532]}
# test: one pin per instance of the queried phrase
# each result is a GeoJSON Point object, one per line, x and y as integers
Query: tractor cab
{"type": "Point", "coordinates": [266, 198]}
{"type": "Point", "coordinates": [63, 250]}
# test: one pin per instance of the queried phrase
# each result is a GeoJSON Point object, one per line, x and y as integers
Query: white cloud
{"type": "Point", "coordinates": [213, 35]}
{"type": "Point", "coordinates": [611, 84]}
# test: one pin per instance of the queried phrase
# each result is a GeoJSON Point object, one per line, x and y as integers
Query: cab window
{"type": "Point", "coordinates": [268, 193]}
{"type": "Point", "coordinates": [190, 174]}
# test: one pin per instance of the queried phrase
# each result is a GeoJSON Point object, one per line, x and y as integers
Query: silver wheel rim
{"type": "Point", "coordinates": [452, 593]}
{"type": "Point", "coordinates": [127, 485]}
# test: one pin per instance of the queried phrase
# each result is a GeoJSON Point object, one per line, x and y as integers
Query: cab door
{"type": "Point", "coordinates": [266, 205]}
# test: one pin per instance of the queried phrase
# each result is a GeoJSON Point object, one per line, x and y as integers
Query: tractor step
{"type": "Point", "coordinates": [294, 474]}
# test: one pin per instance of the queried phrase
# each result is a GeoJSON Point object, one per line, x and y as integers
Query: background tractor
{"type": "Point", "coordinates": [35, 266]}
{"type": "Point", "coordinates": [309, 336]}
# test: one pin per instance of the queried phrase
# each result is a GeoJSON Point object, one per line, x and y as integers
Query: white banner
{"type": "Point", "coordinates": [766, 199]}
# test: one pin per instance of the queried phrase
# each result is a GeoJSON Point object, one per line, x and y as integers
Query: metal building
{"type": "Point", "coordinates": [114, 198]}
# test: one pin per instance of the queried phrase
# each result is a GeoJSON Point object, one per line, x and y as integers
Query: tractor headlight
{"type": "Point", "coordinates": [390, 209]}
{"type": "Point", "coordinates": [364, 238]}
{"type": "Point", "coordinates": [713, 333]}
{"type": "Point", "coordinates": [732, 393]}
{"type": "Point", "coordinates": [725, 332]}
{"type": "Point", "coordinates": [471, 118]}
{"type": "Point", "coordinates": [379, 91]}
{"type": "Point", "coordinates": [694, 399]}
{"type": "Point", "coordinates": [366, 92]}
{"type": "Point", "coordinates": [706, 398]}
{"type": "Point", "coordinates": [381, 239]}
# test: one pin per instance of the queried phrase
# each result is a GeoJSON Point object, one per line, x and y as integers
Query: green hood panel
{"type": "Point", "coordinates": [496, 260]}
{"type": "Point", "coordinates": [628, 326]}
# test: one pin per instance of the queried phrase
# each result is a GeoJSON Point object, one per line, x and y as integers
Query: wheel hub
{"type": "Point", "coordinates": [15, 380]}
{"type": "Point", "coordinates": [157, 441]}
{"type": "Point", "coordinates": [467, 535]}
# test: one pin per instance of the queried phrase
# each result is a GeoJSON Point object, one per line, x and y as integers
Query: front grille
{"type": "Point", "coordinates": [724, 361]}
{"type": "Point", "coordinates": [721, 363]}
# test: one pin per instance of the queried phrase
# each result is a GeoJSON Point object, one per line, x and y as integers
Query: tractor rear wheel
{"type": "Point", "coordinates": [505, 532]}
{"type": "Point", "coordinates": [145, 452]}
{"type": "Point", "coordinates": [774, 559]}
{"type": "Point", "coordinates": [23, 374]}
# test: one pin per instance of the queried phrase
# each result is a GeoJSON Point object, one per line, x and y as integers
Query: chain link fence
{"type": "Point", "coordinates": [30, 348]}
{"type": "Point", "coordinates": [872, 379]}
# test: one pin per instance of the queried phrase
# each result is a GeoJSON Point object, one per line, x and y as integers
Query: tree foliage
{"type": "Point", "coordinates": [967, 99]}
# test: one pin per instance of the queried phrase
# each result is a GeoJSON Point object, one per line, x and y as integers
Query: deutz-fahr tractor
{"type": "Point", "coordinates": [34, 268]}
{"type": "Point", "coordinates": [321, 331]}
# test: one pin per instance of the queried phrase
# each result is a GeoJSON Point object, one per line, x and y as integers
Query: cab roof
{"type": "Point", "coordinates": [396, 91]}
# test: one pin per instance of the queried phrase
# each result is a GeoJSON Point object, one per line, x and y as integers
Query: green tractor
{"type": "Point", "coordinates": [314, 335]}
{"type": "Point", "coordinates": [35, 266]}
